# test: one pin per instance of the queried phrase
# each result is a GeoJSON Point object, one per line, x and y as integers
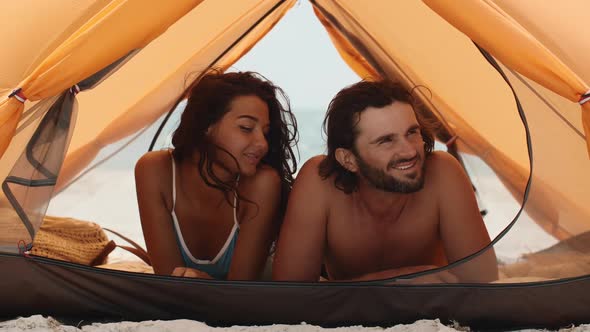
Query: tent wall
{"type": "Point", "coordinates": [106, 36]}
{"type": "Point", "coordinates": [35, 32]}
{"type": "Point", "coordinates": [557, 26]}
{"type": "Point", "coordinates": [483, 21]}
{"type": "Point", "coordinates": [560, 164]}
{"type": "Point", "coordinates": [527, 49]}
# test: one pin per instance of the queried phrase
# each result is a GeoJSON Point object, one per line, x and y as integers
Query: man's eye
{"type": "Point", "coordinates": [413, 132]}
{"type": "Point", "coordinates": [385, 140]}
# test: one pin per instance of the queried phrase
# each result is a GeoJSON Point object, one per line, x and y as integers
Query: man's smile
{"type": "Point", "coordinates": [405, 165]}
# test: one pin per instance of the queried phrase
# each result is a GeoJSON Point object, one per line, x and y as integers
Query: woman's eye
{"type": "Point", "coordinates": [246, 129]}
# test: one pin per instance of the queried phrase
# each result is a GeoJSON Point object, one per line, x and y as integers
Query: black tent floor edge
{"type": "Point", "coordinates": [60, 289]}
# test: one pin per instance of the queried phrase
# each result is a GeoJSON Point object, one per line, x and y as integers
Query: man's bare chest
{"type": "Point", "coordinates": [359, 243]}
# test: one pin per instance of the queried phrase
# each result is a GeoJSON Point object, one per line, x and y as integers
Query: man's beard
{"type": "Point", "coordinates": [383, 181]}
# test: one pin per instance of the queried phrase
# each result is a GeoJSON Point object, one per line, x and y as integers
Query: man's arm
{"type": "Point", "coordinates": [434, 278]}
{"type": "Point", "coordinates": [461, 226]}
{"type": "Point", "coordinates": [302, 238]}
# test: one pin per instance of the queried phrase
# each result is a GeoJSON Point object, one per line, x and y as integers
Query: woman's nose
{"type": "Point", "coordinates": [261, 141]}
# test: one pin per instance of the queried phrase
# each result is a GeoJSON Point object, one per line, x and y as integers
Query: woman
{"type": "Point", "coordinates": [212, 206]}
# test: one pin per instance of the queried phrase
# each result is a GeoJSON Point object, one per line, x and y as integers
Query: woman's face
{"type": "Point", "coordinates": [242, 131]}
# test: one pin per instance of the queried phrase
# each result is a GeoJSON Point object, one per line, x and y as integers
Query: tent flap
{"type": "Point", "coordinates": [107, 36]}
{"type": "Point", "coordinates": [483, 21]}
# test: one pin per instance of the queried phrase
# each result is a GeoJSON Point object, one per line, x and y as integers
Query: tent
{"type": "Point", "coordinates": [81, 81]}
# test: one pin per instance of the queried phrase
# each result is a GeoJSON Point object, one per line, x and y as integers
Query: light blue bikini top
{"type": "Point", "coordinates": [218, 267]}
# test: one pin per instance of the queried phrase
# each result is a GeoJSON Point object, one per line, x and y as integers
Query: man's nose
{"type": "Point", "coordinates": [406, 149]}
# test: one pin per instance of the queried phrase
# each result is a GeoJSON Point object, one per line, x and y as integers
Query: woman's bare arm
{"type": "Point", "coordinates": [156, 222]}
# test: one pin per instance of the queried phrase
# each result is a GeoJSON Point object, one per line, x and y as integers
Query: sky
{"type": "Point", "coordinates": [298, 56]}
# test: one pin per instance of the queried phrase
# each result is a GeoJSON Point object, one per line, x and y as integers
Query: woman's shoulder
{"type": "Point", "coordinates": [266, 178]}
{"type": "Point", "coordinates": [154, 163]}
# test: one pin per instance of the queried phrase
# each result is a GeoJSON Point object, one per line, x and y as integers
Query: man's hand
{"type": "Point", "coordinates": [188, 272]}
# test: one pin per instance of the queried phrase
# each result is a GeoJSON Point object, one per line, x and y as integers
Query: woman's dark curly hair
{"type": "Point", "coordinates": [343, 115]}
{"type": "Point", "coordinates": [209, 99]}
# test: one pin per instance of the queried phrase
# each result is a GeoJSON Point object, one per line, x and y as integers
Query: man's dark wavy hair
{"type": "Point", "coordinates": [343, 115]}
{"type": "Point", "coordinates": [209, 98]}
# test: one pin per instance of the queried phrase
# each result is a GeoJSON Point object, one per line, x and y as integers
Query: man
{"type": "Point", "coordinates": [381, 203]}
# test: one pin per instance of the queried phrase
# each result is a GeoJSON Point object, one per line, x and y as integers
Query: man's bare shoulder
{"type": "Point", "coordinates": [310, 173]}
{"type": "Point", "coordinates": [442, 161]}
{"type": "Point", "coordinates": [313, 163]}
{"type": "Point", "coordinates": [443, 170]}
{"type": "Point", "coordinates": [312, 188]}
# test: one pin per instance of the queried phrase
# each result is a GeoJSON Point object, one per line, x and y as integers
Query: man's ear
{"type": "Point", "coordinates": [346, 159]}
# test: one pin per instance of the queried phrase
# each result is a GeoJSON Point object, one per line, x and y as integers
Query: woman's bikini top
{"type": "Point", "coordinates": [218, 267]}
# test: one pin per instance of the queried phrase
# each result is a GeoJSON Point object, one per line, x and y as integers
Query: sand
{"type": "Point", "coordinates": [40, 323]}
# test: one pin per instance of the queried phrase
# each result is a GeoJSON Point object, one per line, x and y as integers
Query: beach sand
{"type": "Point", "coordinates": [40, 323]}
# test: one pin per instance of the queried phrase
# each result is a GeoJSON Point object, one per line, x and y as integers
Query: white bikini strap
{"type": "Point", "coordinates": [174, 191]}
{"type": "Point", "coordinates": [173, 182]}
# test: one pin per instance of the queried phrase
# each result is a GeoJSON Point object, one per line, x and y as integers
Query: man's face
{"type": "Point", "coordinates": [389, 148]}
